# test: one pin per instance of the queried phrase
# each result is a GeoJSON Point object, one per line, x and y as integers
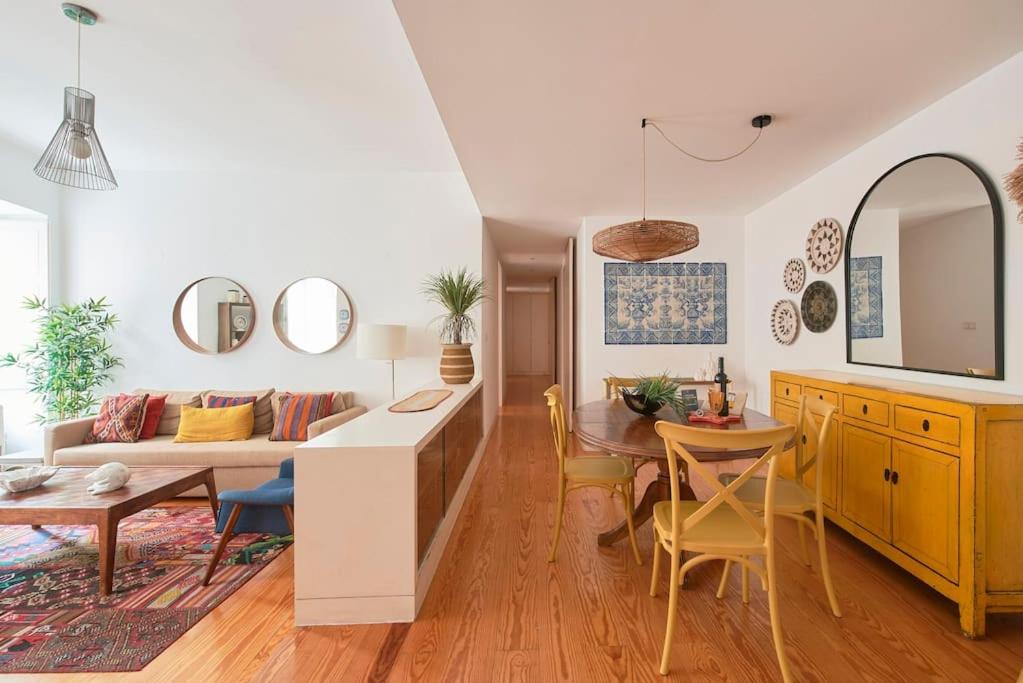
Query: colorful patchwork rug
{"type": "Point", "coordinates": [52, 618]}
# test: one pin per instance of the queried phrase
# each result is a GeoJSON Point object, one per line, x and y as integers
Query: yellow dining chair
{"type": "Point", "coordinates": [722, 528]}
{"type": "Point", "coordinates": [611, 472]}
{"type": "Point", "coordinates": [792, 498]}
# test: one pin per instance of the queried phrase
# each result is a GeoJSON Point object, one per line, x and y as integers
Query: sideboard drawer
{"type": "Point", "coordinates": [823, 394]}
{"type": "Point", "coordinates": [928, 424]}
{"type": "Point", "coordinates": [866, 409]}
{"type": "Point", "coordinates": [786, 390]}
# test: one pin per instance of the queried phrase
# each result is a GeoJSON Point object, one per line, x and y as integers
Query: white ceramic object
{"type": "Point", "coordinates": [109, 477]}
{"type": "Point", "coordinates": [16, 480]}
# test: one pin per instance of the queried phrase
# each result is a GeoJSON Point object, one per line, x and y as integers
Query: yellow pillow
{"type": "Point", "coordinates": [215, 424]}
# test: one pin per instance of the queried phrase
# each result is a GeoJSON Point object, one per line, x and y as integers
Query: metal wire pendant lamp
{"type": "Point", "coordinates": [75, 156]}
{"type": "Point", "coordinates": [650, 240]}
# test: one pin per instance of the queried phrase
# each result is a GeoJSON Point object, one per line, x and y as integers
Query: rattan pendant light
{"type": "Point", "coordinates": [75, 156]}
{"type": "Point", "coordinates": [648, 239]}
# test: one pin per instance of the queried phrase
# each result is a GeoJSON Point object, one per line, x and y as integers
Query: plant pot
{"type": "Point", "coordinates": [638, 403]}
{"type": "Point", "coordinates": [456, 366]}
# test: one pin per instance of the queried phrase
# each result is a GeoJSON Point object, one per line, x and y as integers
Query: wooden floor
{"type": "Point", "coordinates": [498, 611]}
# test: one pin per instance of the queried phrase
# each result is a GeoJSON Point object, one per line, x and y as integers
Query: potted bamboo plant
{"type": "Point", "coordinates": [458, 292]}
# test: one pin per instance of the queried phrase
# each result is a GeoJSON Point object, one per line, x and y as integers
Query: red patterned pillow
{"type": "Point", "coordinates": [120, 419]}
{"type": "Point", "coordinates": [297, 411]}
{"type": "Point", "coordinates": [154, 411]}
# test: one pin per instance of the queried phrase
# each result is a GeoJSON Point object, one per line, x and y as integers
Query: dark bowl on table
{"type": "Point", "coordinates": [638, 403]}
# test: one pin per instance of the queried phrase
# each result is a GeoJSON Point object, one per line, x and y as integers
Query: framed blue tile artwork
{"type": "Point", "coordinates": [866, 308]}
{"type": "Point", "coordinates": [665, 303]}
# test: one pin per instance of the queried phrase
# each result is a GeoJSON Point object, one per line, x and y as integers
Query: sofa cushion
{"type": "Point", "coordinates": [297, 412]}
{"type": "Point", "coordinates": [264, 419]}
{"type": "Point", "coordinates": [340, 400]}
{"type": "Point", "coordinates": [168, 424]}
{"type": "Point", "coordinates": [154, 411]}
{"type": "Point", "coordinates": [200, 425]}
{"type": "Point", "coordinates": [258, 451]}
{"type": "Point", "coordinates": [120, 419]}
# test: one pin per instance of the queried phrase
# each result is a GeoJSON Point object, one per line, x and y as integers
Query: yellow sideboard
{"type": "Point", "coordinates": [929, 476]}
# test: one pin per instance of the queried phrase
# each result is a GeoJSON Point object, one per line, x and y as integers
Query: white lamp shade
{"type": "Point", "coordinates": [380, 342]}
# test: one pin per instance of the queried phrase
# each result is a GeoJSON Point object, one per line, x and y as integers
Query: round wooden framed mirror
{"type": "Point", "coordinates": [214, 315]}
{"type": "Point", "coordinates": [313, 315]}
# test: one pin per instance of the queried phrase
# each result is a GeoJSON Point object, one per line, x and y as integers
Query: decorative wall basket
{"type": "Point", "coordinates": [824, 245]}
{"type": "Point", "coordinates": [456, 366]}
{"type": "Point", "coordinates": [819, 306]}
{"type": "Point", "coordinates": [646, 240]}
{"type": "Point", "coordinates": [784, 322]}
{"type": "Point", "coordinates": [795, 275]}
{"type": "Point", "coordinates": [1014, 184]}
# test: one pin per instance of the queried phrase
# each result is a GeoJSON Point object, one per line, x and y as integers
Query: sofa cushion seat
{"type": "Point", "coordinates": [258, 451]}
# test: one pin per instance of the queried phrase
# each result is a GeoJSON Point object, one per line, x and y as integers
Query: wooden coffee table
{"type": "Point", "coordinates": [63, 499]}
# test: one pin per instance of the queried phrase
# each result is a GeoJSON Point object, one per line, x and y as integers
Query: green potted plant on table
{"type": "Point", "coordinates": [653, 393]}
{"type": "Point", "coordinates": [70, 358]}
{"type": "Point", "coordinates": [458, 292]}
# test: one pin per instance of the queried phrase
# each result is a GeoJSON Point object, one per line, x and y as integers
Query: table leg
{"type": "Point", "coordinates": [659, 489]}
{"type": "Point", "coordinates": [107, 554]}
{"type": "Point", "coordinates": [211, 491]}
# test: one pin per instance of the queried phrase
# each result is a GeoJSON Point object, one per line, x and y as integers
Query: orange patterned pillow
{"type": "Point", "coordinates": [297, 411]}
{"type": "Point", "coordinates": [120, 419]}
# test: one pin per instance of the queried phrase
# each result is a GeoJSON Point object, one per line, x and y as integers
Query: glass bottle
{"type": "Point", "coordinates": [722, 381]}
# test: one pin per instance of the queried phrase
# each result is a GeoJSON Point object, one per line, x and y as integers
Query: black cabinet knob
{"type": "Point", "coordinates": [864, 408]}
{"type": "Point", "coordinates": [786, 391]}
{"type": "Point", "coordinates": [895, 477]}
{"type": "Point", "coordinates": [927, 425]}
{"type": "Point", "coordinates": [887, 474]}
{"type": "Point", "coordinates": [804, 439]}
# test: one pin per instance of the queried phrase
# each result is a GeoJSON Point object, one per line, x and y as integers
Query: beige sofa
{"type": "Point", "coordinates": [236, 464]}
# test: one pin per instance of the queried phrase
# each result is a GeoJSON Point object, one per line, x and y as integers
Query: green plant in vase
{"type": "Point", "coordinates": [653, 393]}
{"type": "Point", "coordinates": [70, 359]}
{"type": "Point", "coordinates": [459, 292]}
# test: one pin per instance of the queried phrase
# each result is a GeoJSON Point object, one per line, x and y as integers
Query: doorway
{"type": "Point", "coordinates": [530, 330]}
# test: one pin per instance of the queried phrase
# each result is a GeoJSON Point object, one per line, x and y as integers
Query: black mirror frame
{"type": "Point", "coordinates": [999, 270]}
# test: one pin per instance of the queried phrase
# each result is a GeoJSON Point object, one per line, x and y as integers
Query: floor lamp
{"type": "Point", "coordinates": [381, 342]}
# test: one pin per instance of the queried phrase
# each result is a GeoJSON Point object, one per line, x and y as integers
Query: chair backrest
{"type": "Point", "coordinates": [813, 443]}
{"type": "Point", "coordinates": [556, 402]}
{"type": "Point", "coordinates": [773, 442]}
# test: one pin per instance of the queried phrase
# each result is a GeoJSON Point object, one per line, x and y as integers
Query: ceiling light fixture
{"type": "Point", "coordinates": [74, 156]}
{"type": "Point", "coordinates": [650, 240]}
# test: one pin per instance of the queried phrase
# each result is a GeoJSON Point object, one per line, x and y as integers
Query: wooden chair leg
{"type": "Point", "coordinates": [822, 549]}
{"type": "Point", "coordinates": [224, 538]}
{"type": "Point", "coordinates": [802, 542]}
{"type": "Point", "coordinates": [772, 603]}
{"type": "Point", "coordinates": [724, 579]}
{"type": "Point", "coordinates": [559, 513]}
{"type": "Point", "coordinates": [655, 574]}
{"type": "Point", "coordinates": [673, 591]}
{"type": "Point", "coordinates": [629, 506]}
{"type": "Point", "coordinates": [290, 517]}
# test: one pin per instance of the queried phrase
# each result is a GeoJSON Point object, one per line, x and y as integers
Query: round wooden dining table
{"type": "Point", "coordinates": [611, 426]}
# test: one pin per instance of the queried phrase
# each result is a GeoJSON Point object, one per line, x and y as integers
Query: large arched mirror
{"type": "Point", "coordinates": [214, 315]}
{"type": "Point", "coordinates": [923, 269]}
{"type": "Point", "coordinates": [312, 315]}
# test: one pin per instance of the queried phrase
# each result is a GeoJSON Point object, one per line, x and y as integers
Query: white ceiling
{"type": "Point", "coordinates": [323, 85]}
{"type": "Point", "coordinates": [543, 99]}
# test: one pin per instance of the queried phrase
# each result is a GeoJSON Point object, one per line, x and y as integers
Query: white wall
{"type": "Point", "coordinates": [377, 236]}
{"type": "Point", "coordinates": [878, 234]}
{"type": "Point", "coordinates": [980, 121]}
{"type": "Point", "coordinates": [721, 241]}
{"type": "Point", "coordinates": [491, 331]}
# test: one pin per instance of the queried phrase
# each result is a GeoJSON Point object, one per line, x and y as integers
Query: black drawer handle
{"type": "Point", "coordinates": [820, 396]}
{"type": "Point", "coordinates": [895, 477]}
{"type": "Point", "coordinates": [887, 474]}
{"type": "Point", "coordinates": [927, 425]}
{"type": "Point", "coordinates": [864, 408]}
{"type": "Point", "coordinates": [786, 391]}
{"type": "Point", "coordinates": [804, 439]}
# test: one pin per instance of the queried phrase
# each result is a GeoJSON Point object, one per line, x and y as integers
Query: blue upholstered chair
{"type": "Point", "coordinates": [266, 509]}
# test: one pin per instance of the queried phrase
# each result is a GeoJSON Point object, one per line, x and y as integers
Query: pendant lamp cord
{"type": "Point", "coordinates": [79, 22]}
{"type": "Point", "coordinates": [644, 169]}
{"type": "Point", "coordinates": [671, 142]}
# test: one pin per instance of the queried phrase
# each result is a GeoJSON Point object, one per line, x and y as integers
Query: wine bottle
{"type": "Point", "coordinates": [722, 381]}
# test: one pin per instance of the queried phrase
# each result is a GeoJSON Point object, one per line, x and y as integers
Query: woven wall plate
{"type": "Point", "coordinates": [819, 306]}
{"type": "Point", "coordinates": [784, 322]}
{"type": "Point", "coordinates": [824, 245]}
{"type": "Point", "coordinates": [795, 275]}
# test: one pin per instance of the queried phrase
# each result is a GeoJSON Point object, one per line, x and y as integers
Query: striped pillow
{"type": "Point", "coordinates": [228, 401]}
{"type": "Point", "coordinates": [296, 413]}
